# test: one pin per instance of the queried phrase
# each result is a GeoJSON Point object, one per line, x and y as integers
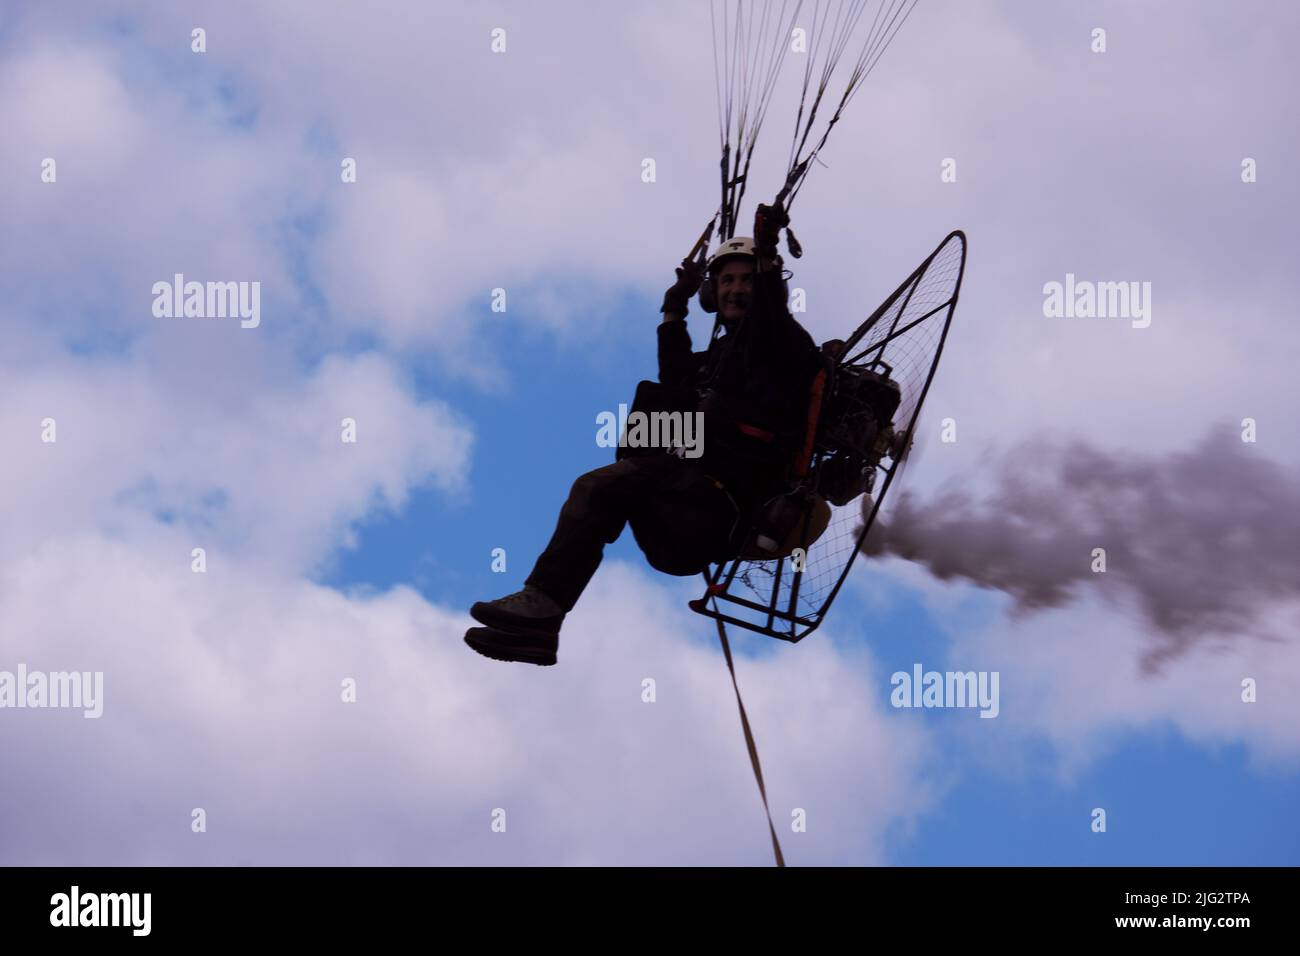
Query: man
{"type": "Point", "coordinates": [751, 385]}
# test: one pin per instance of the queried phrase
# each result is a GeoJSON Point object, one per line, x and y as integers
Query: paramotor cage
{"type": "Point", "coordinates": [867, 410]}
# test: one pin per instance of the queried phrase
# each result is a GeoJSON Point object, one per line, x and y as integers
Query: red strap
{"type": "Point", "coordinates": [814, 414]}
{"type": "Point", "coordinates": [755, 432]}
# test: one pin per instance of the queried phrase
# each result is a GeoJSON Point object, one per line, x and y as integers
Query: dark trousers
{"type": "Point", "coordinates": [680, 518]}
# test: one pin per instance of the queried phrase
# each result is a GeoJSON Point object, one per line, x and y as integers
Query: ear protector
{"type": "Point", "coordinates": [708, 295]}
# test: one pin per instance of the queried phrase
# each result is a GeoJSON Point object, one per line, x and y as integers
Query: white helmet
{"type": "Point", "coordinates": [737, 246]}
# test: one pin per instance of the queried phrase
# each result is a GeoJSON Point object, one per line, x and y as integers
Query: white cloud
{"type": "Point", "coordinates": [261, 471]}
{"type": "Point", "coordinates": [222, 691]}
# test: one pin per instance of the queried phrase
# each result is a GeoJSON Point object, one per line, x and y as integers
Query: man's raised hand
{"type": "Point", "coordinates": [690, 275]}
{"type": "Point", "coordinates": [768, 223]}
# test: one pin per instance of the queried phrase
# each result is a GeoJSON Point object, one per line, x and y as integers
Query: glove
{"type": "Point", "coordinates": [690, 275]}
{"type": "Point", "coordinates": [768, 223]}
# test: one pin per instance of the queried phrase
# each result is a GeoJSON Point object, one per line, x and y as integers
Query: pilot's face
{"type": "Point", "coordinates": [735, 289]}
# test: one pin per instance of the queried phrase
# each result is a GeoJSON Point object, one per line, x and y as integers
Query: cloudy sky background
{"type": "Point", "coordinates": [522, 170]}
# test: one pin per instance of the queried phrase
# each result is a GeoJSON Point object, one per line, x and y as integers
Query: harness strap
{"type": "Point", "coordinates": [753, 431]}
{"type": "Point", "coordinates": [731, 535]}
{"type": "Point", "coordinates": [749, 737]}
{"type": "Point", "coordinates": [814, 415]}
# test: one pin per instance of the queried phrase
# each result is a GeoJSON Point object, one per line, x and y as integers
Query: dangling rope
{"type": "Point", "coordinates": [749, 735]}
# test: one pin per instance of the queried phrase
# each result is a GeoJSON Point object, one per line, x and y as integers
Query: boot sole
{"type": "Point", "coordinates": [503, 646]}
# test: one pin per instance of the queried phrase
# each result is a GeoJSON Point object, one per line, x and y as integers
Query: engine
{"type": "Point", "coordinates": [855, 431]}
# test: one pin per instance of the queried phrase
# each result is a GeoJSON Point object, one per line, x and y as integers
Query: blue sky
{"type": "Point", "coordinates": [329, 563]}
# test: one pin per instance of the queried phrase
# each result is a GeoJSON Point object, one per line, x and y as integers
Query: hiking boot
{"type": "Point", "coordinates": [527, 612]}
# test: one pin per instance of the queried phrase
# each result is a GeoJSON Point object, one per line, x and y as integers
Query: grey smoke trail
{"type": "Point", "coordinates": [1204, 540]}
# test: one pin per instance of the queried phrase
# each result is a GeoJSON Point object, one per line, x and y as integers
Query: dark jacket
{"type": "Point", "coordinates": [758, 375]}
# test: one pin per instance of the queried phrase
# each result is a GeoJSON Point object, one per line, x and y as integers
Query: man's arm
{"type": "Point", "coordinates": [771, 294]}
{"type": "Point", "coordinates": [783, 334]}
{"type": "Point", "coordinates": [789, 347]}
{"type": "Point", "coordinates": [676, 361]}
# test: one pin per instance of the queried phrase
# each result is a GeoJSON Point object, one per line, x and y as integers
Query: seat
{"type": "Point", "coordinates": [811, 516]}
